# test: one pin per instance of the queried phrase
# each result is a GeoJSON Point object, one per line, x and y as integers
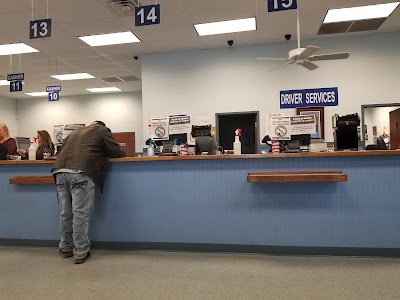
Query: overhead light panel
{"type": "Point", "coordinates": [6, 82]}
{"type": "Point", "coordinates": [110, 39]}
{"type": "Point", "coordinates": [37, 94]}
{"type": "Point", "coordinates": [226, 26]}
{"type": "Point", "coordinates": [103, 90]}
{"type": "Point", "coordinates": [19, 48]}
{"type": "Point", "coordinates": [360, 13]}
{"type": "Point", "coordinates": [74, 76]}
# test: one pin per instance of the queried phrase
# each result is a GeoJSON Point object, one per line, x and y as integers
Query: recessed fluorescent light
{"type": "Point", "coordinates": [5, 82]}
{"type": "Point", "coordinates": [226, 26]}
{"type": "Point", "coordinates": [72, 76]}
{"type": "Point", "coordinates": [102, 90]}
{"type": "Point", "coordinates": [110, 39]}
{"type": "Point", "coordinates": [37, 94]}
{"type": "Point", "coordinates": [8, 49]}
{"type": "Point", "coordinates": [360, 12]}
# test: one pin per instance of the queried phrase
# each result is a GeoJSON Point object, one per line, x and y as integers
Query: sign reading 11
{"type": "Point", "coordinates": [147, 15]}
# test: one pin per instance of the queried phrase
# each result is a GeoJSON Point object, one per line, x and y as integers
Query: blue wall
{"type": "Point", "coordinates": [210, 201]}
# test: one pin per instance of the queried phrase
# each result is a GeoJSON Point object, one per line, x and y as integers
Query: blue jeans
{"type": "Point", "coordinates": [76, 193]}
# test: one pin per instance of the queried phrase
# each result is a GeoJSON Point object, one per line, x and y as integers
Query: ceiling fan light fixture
{"type": "Point", "coordinates": [360, 12]}
{"type": "Point", "coordinates": [230, 26]}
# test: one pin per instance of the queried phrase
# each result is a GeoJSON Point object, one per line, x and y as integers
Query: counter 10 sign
{"type": "Point", "coordinates": [53, 92]}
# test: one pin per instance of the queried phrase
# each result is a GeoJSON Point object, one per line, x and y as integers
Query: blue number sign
{"type": "Point", "coordinates": [54, 92]}
{"type": "Point", "coordinates": [147, 15]}
{"type": "Point", "coordinates": [16, 86]}
{"type": "Point", "coordinates": [278, 5]}
{"type": "Point", "coordinates": [40, 29]}
{"type": "Point", "coordinates": [15, 81]}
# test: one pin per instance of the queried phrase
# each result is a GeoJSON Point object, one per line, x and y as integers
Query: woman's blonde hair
{"type": "Point", "coordinates": [4, 126]}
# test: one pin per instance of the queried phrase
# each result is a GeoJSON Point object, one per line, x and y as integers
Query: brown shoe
{"type": "Point", "coordinates": [66, 254]}
{"type": "Point", "coordinates": [79, 261]}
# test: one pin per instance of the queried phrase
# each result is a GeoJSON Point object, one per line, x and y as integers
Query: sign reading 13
{"type": "Point", "coordinates": [40, 29]}
{"type": "Point", "coordinates": [147, 15]}
{"type": "Point", "coordinates": [278, 5]}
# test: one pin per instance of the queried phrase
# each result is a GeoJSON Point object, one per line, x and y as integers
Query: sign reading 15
{"type": "Point", "coordinates": [40, 29]}
{"type": "Point", "coordinates": [147, 15]}
{"type": "Point", "coordinates": [278, 5]}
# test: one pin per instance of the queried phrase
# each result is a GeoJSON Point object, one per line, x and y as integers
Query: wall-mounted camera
{"type": "Point", "coordinates": [288, 37]}
{"type": "Point", "coordinates": [136, 57]}
{"type": "Point", "coordinates": [230, 43]}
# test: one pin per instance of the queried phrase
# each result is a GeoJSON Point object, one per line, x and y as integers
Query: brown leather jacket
{"type": "Point", "coordinates": [87, 149]}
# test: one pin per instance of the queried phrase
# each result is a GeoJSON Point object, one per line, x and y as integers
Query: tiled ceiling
{"type": "Point", "coordinates": [65, 53]}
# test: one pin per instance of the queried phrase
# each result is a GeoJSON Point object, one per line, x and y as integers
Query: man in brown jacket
{"type": "Point", "coordinates": [80, 164]}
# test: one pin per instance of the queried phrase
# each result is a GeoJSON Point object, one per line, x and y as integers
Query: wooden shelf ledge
{"type": "Point", "coordinates": [32, 180]}
{"type": "Point", "coordinates": [297, 176]}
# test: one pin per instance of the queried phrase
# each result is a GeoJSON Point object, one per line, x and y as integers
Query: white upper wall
{"type": "Point", "coordinates": [202, 83]}
{"type": "Point", "coordinates": [8, 114]}
{"type": "Point", "coordinates": [121, 112]}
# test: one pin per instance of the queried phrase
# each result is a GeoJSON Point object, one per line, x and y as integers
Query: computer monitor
{"type": "Point", "coordinates": [380, 142]}
{"type": "Point", "coordinates": [181, 138]}
{"type": "Point", "coordinates": [201, 130]}
{"type": "Point", "coordinates": [23, 143]}
{"type": "Point", "coordinates": [304, 139]}
{"type": "Point", "coordinates": [296, 142]}
{"type": "Point", "coordinates": [205, 144]}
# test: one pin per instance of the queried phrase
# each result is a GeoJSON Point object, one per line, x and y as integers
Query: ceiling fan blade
{"type": "Point", "coordinates": [343, 55]}
{"type": "Point", "coordinates": [281, 66]}
{"type": "Point", "coordinates": [308, 65]}
{"type": "Point", "coordinates": [308, 51]}
{"type": "Point", "coordinates": [271, 58]}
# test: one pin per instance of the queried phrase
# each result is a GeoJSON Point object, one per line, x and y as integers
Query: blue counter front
{"type": "Point", "coordinates": [209, 201]}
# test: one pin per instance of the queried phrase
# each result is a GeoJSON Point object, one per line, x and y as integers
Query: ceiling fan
{"type": "Point", "coordinates": [304, 56]}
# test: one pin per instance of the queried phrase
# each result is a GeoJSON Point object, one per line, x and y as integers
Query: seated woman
{"type": "Point", "coordinates": [8, 142]}
{"type": "Point", "coordinates": [45, 148]}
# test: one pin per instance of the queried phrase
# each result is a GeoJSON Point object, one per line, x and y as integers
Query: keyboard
{"type": "Point", "coordinates": [168, 154]}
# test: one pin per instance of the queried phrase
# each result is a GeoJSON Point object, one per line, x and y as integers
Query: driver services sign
{"type": "Point", "coordinates": [309, 97]}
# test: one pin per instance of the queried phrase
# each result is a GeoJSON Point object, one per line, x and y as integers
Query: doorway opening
{"type": "Point", "coordinates": [381, 122]}
{"type": "Point", "coordinates": [227, 123]}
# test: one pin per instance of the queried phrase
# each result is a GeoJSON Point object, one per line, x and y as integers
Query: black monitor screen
{"type": "Point", "coordinates": [181, 138]}
{"type": "Point", "coordinates": [304, 139]}
{"type": "Point", "coordinates": [204, 144]}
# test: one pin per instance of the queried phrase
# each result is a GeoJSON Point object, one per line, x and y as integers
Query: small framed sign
{"type": "Point", "coordinates": [278, 5]}
{"type": "Point", "coordinates": [15, 86]}
{"type": "Point", "coordinates": [147, 15]}
{"type": "Point", "coordinates": [318, 112]}
{"type": "Point", "coordinates": [40, 29]}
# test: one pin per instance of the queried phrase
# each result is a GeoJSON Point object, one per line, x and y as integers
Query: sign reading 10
{"type": "Point", "coordinates": [147, 15]}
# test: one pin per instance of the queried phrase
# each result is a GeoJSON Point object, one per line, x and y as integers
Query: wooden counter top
{"type": "Point", "coordinates": [226, 156]}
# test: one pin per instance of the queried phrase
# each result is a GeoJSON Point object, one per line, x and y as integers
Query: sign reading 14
{"type": "Point", "coordinates": [278, 5]}
{"type": "Point", "coordinates": [147, 15]}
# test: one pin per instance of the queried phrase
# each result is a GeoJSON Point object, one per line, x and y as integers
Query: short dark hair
{"type": "Point", "coordinates": [99, 123]}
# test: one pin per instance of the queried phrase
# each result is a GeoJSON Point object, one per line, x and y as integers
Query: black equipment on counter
{"type": "Point", "coordinates": [346, 137]}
